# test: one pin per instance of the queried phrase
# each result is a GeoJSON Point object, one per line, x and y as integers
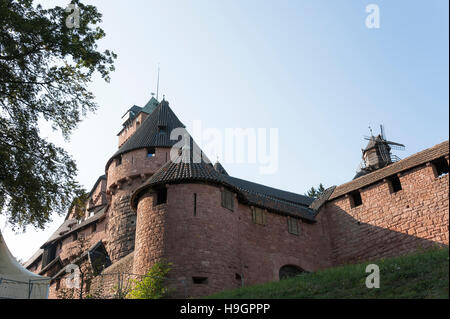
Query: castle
{"type": "Point", "coordinates": [222, 232]}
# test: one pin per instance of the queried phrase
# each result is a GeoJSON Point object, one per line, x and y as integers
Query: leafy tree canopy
{"type": "Point", "coordinates": [45, 66]}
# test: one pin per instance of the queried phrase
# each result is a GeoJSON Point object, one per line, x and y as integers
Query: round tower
{"type": "Point", "coordinates": [139, 157]}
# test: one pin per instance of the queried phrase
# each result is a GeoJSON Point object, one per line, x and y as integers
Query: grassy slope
{"type": "Point", "coordinates": [420, 275]}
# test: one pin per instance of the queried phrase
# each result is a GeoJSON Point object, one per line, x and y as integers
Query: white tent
{"type": "Point", "coordinates": [16, 282]}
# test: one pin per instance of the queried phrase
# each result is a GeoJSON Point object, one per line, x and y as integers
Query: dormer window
{"type": "Point", "coordinates": [151, 152]}
{"type": "Point", "coordinates": [162, 128]}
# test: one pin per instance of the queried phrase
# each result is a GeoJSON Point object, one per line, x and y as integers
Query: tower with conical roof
{"type": "Point", "coordinates": [145, 149]}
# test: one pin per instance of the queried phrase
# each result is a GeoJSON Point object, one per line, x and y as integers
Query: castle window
{"type": "Point", "coordinates": [258, 216]}
{"type": "Point", "coordinates": [355, 199]}
{"type": "Point", "coordinates": [161, 195]}
{"type": "Point", "coordinates": [195, 204]}
{"type": "Point", "coordinates": [75, 236]}
{"type": "Point", "coordinates": [48, 255]}
{"type": "Point", "coordinates": [395, 184]}
{"type": "Point", "coordinates": [162, 128]}
{"type": "Point", "coordinates": [94, 227]}
{"type": "Point", "coordinates": [151, 152]}
{"type": "Point", "coordinates": [119, 161]}
{"type": "Point", "coordinates": [293, 226]}
{"type": "Point", "coordinates": [440, 167]}
{"type": "Point", "coordinates": [200, 280]}
{"type": "Point", "coordinates": [227, 199]}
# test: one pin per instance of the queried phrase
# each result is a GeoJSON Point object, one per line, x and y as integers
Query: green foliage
{"type": "Point", "coordinates": [315, 193]}
{"type": "Point", "coordinates": [418, 275]}
{"type": "Point", "coordinates": [45, 67]}
{"type": "Point", "coordinates": [152, 286]}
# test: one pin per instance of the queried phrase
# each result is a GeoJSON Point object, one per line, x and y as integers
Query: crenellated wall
{"type": "Point", "coordinates": [390, 223]}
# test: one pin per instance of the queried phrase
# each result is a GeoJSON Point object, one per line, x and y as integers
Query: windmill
{"type": "Point", "coordinates": [377, 153]}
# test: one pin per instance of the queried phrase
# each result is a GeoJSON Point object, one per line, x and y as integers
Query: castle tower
{"type": "Point", "coordinates": [144, 148]}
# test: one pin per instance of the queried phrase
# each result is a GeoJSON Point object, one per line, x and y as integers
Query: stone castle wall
{"type": "Point", "coordinates": [224, 246]}
{"type": "Point", "coordinates": [390, 223]}
{"type": "Point", "coordinates": [122, 180]}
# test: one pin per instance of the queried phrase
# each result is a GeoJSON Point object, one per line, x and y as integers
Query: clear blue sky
{"type": "Point", "coordinates": [309, 68]}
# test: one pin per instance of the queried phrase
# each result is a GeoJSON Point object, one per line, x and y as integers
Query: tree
{"type": "Point", "coordinates": [45, 66]}
{"type": "Point", "coordinates": [315, 193]}
{"type": "Point", "coordinates": [152, 285]}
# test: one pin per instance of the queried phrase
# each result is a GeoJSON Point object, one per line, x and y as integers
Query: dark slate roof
{"type": "Point", "coordinates": [65, 227]}
{"type": "Point", "coordinates": [150, 106]}
{"type": "Point", "coordinates": [270, 191]}
{"type": "Point", "coordinates": [102, 177]}
{"type": "Point", "coordinates": [410, 162]}
{"type": "Point", "coordinates": [219, 168]}
{"type": "Point", "coordinates": [322, 199]}
{"type": "Point", "coordinates": [134, 110]}
{"type": "Point", "coordinates": [250, 193]}
{"type": "Point", "coordinates": [149, 134]}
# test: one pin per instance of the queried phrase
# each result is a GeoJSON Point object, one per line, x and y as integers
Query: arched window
{"type": "Point", "coordinates": [288, 271]}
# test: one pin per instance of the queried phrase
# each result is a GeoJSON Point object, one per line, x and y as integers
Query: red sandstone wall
{"type": "Point", "coordinates": [390, 224]}
{"type": "Point", "coordinates": [130, 130]}
{"type": "Point", "coordinates": [97, 197]}
{"type": "Point", "coordinates": [218, 243]}
{"type": "Point", "coordinates": [134, 164]}
{"type": "Point", "coordinates": [135, 169]}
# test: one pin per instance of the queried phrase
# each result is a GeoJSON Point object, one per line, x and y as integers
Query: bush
{"type": "Point", "coordinates": [152, 285]}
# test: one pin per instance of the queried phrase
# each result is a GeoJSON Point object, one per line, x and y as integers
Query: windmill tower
{"type": "Point", "coordinates": [377, 153]}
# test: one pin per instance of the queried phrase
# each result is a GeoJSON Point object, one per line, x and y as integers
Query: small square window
{"type": "Point", "coordinates": [258, 216]}
{"type": "Point", "coordinates": [440, 167]}
{"type": "Point", "coordinates": [200, 280]}
{"type": "Point", "coordinates": [150, 152]}
{"type": "Point", "coordinates": [227, 199]}
{"type": "Point", "coordinates": [161, 196]}
{"type": "Point", "coordinates": [162, 128]}
{"type": "Point", "coordinates": [293, 226]}
{"type": "Point", "coordinates": [394, 184]}
{"type": "Point", "coordinates": [355, 199]}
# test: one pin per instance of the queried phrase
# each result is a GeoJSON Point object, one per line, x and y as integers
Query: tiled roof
{"type": "Point", "coordinates": [64, 227]}
{"type": "Point", "coordinates": [219, 168]}
{"type": "Point", "coordinates": [150, 106]}
{"type": "Point", "coordinates": [412, 161]}
{"type": "Point", "coordinates": [153, 132]}
{"type": "Point", "coordinates": [68, 227]}
{"type": "Point", "coordinates": [322, 199]}
{"type": "Point", "coordinates": [102, 177]}
{"type": "Point", "coordinates": [271, 192]}
{"type": "Point", "coordinates": [250, 193]}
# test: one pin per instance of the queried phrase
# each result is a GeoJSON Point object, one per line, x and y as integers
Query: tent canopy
{"type": "Point", "coordinates": [17, 282]}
